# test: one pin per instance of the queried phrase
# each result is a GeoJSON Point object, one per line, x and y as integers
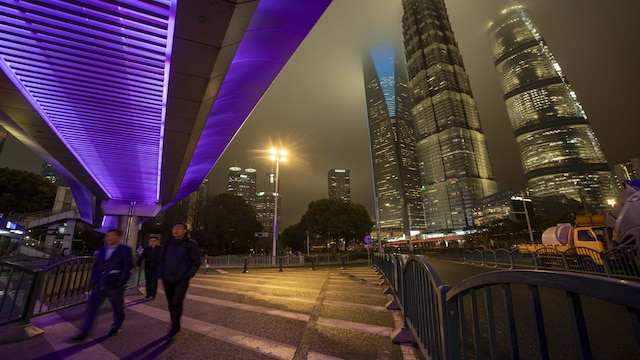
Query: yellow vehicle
{"type": "Point", "coordinates": [589, 232]}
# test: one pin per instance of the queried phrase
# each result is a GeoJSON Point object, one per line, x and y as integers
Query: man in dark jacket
{"type": "Point", "coordinates": [111, 270]}
{"type": "Point", "coordinates": [179, 262]}
{"type": "Point", "coordinates": [151, 257]}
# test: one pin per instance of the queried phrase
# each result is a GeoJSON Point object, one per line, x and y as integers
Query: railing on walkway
{"type": "Point", "coordinates": [619, 262]}
{"type": "Point", "coordinates": [265, 261]}
{"type": "Point", "coordinates": [525, 320]}
{"type": "Point", "coordinates": [27, 292]}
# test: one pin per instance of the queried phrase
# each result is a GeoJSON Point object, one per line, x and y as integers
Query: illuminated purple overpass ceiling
{"type": "Point", "coordinates": [97, 74]}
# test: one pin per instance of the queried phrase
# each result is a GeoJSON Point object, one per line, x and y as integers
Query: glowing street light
{"type": "Point", "coordinates": [277, 155]}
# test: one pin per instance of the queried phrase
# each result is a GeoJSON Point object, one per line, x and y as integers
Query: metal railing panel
{"type": "Point", "coordinates": [575, 287]}
{"type": "Point", "coordinates": [622, 262]}
{"type": "Point", "coordinates": [64, 284]}
{"type": "Point", "coordinates": [15, 283]}
{"type": "Point", "coordinates": [423, 306]}
{"type": "Point", "coordinates": [504, 258]}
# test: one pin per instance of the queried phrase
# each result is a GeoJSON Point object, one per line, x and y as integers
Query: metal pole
{"type": "Point", "coordinates": [526, 215]}
{"type": "Point", "coordinates": [307, 242]}
{"type": "Point", "coordinates": [275, 213]}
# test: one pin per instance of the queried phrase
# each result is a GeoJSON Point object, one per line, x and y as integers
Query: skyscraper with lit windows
{"type": "Point", "coordinates": [339, 184]}
{"type": "Point", "coordinates": [243, 184]}
{"type": "Point", "coordinates": [559, 151]}
{"type": "Point", "coordinates": [395, 168]}
{"type": "Point", "coordinates": [450, 145]}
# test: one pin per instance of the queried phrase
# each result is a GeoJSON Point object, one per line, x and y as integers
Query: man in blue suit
{"type": "Point", "coordinates": [111, 270]}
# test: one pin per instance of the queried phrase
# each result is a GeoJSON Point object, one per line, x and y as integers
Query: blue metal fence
{"type": "Point", "coordinates": [619, 262]}
{"type": "Point", "coordinates": [522, 321]}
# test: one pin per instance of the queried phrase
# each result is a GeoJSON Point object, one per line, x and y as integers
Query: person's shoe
{"type": "Point", "coordinates": [114, 331]}
{"type": "Point", "coordinates": [78, 338]}
{"type": "Point", "coordinates": [148, 296]}
{"type": "Point", "coordinates": [172, 333]}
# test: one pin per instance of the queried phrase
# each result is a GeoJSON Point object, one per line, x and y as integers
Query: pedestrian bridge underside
{"type": "Point", "coordinates": [135, 101]}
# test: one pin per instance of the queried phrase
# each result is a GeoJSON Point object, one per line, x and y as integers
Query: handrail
{"type": "Point", "coordinates": [466, 321]}
{"type": "Point", "coordinates": [619, 262]}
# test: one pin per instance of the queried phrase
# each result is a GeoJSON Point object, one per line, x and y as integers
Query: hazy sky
{"type": "Point", "coordinates": [316, 107]}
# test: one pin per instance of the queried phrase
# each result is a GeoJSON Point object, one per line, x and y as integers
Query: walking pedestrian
{"type": "Point", "coordinates": [110, 273]}
{"type": "Point", "coordinates": [179, 262]}
{"type": "Point", "coordinates": [151, 257]}
{"type": "Point", "coordinates": [207, 263]}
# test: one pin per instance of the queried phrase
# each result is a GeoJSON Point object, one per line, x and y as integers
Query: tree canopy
{"type": "Point", "coordinates": [24, 192]}
{"type": "Point", "coordinates": [228, 226]}
{"type": "Point", "coordinates": [336, 219]}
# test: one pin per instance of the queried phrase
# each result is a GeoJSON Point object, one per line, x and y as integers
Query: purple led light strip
{"type": "Point", "coordinates": [51, 54]}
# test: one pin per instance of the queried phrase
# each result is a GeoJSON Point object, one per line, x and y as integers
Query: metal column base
{"type": "Point", "coordinates": [402, 336]}
{"type": "Point", "coordinates": [20, 333]}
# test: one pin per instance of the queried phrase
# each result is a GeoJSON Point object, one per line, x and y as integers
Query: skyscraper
{"type": "Point", "coordinates": [559, 151]}
{"type": "Point", "coordinates": [628, 170]}
{"type": "Point", "coordinates": [243, 184]}
{"type": "Point", "coordinates": [339, 184]}
{"type": "Point", "coordinates": [395, 168]}
{"type": "Point", "coordinates": [450, 145]}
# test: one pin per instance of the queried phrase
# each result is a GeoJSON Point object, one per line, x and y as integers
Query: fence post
{"type": "Point", "coordinates": [245, 265]}
{"type": "Point", "coordinates": [26, 330]}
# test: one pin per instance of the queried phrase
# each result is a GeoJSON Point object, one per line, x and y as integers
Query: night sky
{"type": "Point", "coordinates": [316, 107]}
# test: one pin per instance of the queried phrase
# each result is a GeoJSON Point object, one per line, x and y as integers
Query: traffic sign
{"type": "Point", "coordinates": [262, 234]}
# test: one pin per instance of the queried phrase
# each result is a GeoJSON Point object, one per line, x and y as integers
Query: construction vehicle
{"type": "Point", "coordinates": [583, 243]}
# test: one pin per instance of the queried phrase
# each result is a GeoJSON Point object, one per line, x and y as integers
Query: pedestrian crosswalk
{"type": "Point", "coordinates": [264, 314]}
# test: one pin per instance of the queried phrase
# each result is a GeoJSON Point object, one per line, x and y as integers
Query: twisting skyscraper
{"type": "Point", "coordinates": [395, 169]}
{"type": "Point", "coordinates": [559, 151]}
{"type": "Point", "coordinates": [451, 147]}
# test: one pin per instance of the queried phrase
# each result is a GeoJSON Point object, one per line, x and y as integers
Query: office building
{"type": "Point", "coordinates": [501, 206]}
{"type": "Point", "coordinates": [395, 167]}
{"type": "Point", "coordinates": [450, 145]}
{"type": "Point", "coordinates": [628, 170]}
{"type": "Point", "coordinates": [339, 184]}
{"type": "Point", "coordinates": [559, 151]}
{"type": "Point", "coordinates": [48, 172]}
{"type": "Point", "coordinates": [264, 210]}
{"type": "Point", "coordinates": [243, 184]}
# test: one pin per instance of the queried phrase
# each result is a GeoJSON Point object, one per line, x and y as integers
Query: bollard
{"type": "Point", "coordinates": [313, 264]}
{"type": "Point", "coordinates": [342, 262]}
{"type": "Point", "coordinates": [245, 266]}
{"type": "Point", "coordinates": [280, 262]}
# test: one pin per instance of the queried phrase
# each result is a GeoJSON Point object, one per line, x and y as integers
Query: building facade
{"type": "Point", "coordinates": [395, 167]}
{"type": "Point", "coordinates": [628, 170]}
{"type": "Point", "coordinates": [500, 206]}
{"type": "Point", "coordinates": [559, 151]}
{"type": "Point", "coordinates": [450, 145]}
{"type": "Point", "coordinates": [48, 172]}
{"type": "Point", "coordinates": [243, 184]}
{"type": "Point", "coordinates": [339, 184]}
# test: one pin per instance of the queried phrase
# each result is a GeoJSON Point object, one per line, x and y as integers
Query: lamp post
{"type": "Point", "coordinates": [277, 155]}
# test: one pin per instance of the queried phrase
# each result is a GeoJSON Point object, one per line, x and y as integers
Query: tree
{"type": "Point", "coordinates": [335, 219]}
{"type": "Point", "coordinates": [294, 237]}
{"type": "Point", "coordinates": [24, 192]}
{"type": "Point", "coordinates": [229, 225]}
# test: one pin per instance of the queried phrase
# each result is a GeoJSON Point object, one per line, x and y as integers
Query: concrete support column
{"type": "Point", "coordinates": [129, 226]}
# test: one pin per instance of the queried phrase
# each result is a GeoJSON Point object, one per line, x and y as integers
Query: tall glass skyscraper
{"type": "Point", "coordinates": [395, 168]}
{"type": "Point", "coordinates": [243, 184]}
{"type": "Point", "coordinates": [339, 184]}
{"type": "Point", "coordinates": [559, 151]}
{"type": "Point", "coordinates": [451, 147]}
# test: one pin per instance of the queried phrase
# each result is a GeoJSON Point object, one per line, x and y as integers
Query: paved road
{"type": "Point", "coordinates": [264, 314]}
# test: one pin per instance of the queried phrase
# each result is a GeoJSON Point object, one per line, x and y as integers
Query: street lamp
{"type": "Point", "coordinates": [277, 155]}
